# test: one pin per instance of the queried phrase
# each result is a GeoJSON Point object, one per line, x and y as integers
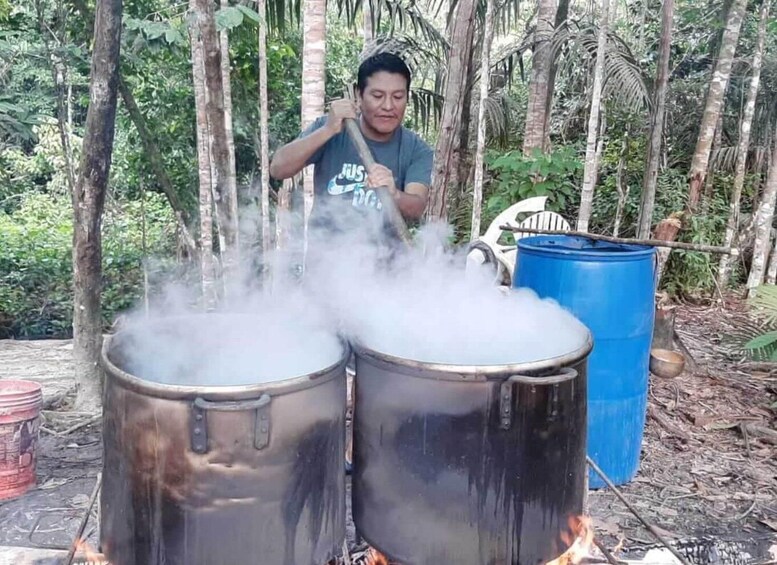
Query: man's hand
{"type": "Point", "coordinates": [378, 175]}
{"type": "Point", "coordinates": [339, 110]}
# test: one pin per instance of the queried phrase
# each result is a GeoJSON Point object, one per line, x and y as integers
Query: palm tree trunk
{"type": "Point", "coordinates": [485, 68]}
{"type": "Point", "coordinates": [89, 201]}
{"type": "Point", "coordinates": [714, 103]}
{"type": "Point", "coordinates": [623, 192]}
{"type": "Point", "coordinates": [368, 25]}
{"type": "Point", "coordinates": [709, 179]}
{"type": "Point", "coordinates": [763, 224]}
{"type": "Point", "coordinates": [650, 178]}
{"type": "Point", "coordinates": [207, 271]}
{"type": "Point", "coordinates": [204, 27]}
{"type": "Point", "coordinates": [313, 78]}
{"type": "Point", "coordinates": [264, 130]}
{"type": "Point", "coordinates": [539, 82]}
{"type": "Point", "coordinates": [589, 173]}
{"type": "Point", "coordinates": [445, 155]}
{"type": "Point", "coordinates": [282, 214]}
{"type": "Point", "coordinates": [231, 180]}
{"type": "Point", "coordinates": [771, 273]}
{"type": "Point", "coordinates": [724, 267]}
{"type": "Point", "coordinates": [561, 16]}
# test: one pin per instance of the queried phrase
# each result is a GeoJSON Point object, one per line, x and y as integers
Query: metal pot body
{"type": "Point", "coordinates": [469, 465]}
{"type": "Point", "coordinates": [222, 475]}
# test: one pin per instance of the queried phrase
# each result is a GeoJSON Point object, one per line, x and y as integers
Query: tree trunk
{"type": "Point", "coordinates": [231, 181]}
{"type": "Point", "coordinates": [724, 268]}
{"type": "Point", "coordinates": [539, 81]}
{"type": "Point", "coordinates": [89, 202]}
{"type": "Point", "coordinates": [714, 103]}
{"type": "Point", "coordinates": [561, 16]}
{"type": "Point", "coordinates": [264, 130]}
{"type": "Point", "coordinates": [763, 225]}
{"type": "Point", "coordinates": [62, 88]}
{"type": "Point", "coordinates": [182, 216]}
{"type": "Point", "coordinates": [445, 165]}
{"type": "Point", "coordinates": [623, 192]}
{"type": "Point", "coordinates": [709, 179]}
{"type": "Point", "coordinates": [204, 27]}
{"type": "Point", "coordinates": [368, 25]}
{"type": "Point", "coordinates": [771, 273]}
{"type": "Point", "coordinates": [650, 178]}
{"type": "Point", "coordinates": [313, 78]}
{"type": "Point", "coordinates": [207, 271]}
{"type": "Point", "coordinates": [485, 68]}
{"type": "Point", "coordinates": [589, 173]}
{"type": "Point", "coordinates": [282, 214]}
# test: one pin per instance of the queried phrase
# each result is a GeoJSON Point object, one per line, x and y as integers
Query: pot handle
{"type": "Point", "coordinates": [199, 420]}
{"type": "Point", "coordinates": [506, 391]}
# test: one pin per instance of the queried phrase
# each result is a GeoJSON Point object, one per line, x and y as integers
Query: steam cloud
{"type": "Point", "coordinates": [416, 303]}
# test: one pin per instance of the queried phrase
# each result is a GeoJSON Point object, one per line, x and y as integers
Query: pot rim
{"type": "Point", "coordinates": [211, 392]}
{"type": "Point", "coordinates": [451, 372]}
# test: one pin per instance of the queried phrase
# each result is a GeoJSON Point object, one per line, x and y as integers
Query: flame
{"type": "Point", "coordinates": [580, 541]}
{"type": "Point", "coordinates": [375, 557]}
{"type": "Point", "coordinates": [85, 554]}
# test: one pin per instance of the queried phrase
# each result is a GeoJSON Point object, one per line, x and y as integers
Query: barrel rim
{"type": "Point", "coordinates": [28, 387]}
{"type": "Point", "coordinates": [452, 372]}
{"type": "Point", "coordinates": [228, 392]}
{"type": "Point", "coordinates": [531, 243]}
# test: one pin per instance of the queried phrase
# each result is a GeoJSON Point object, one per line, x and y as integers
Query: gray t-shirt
{"type": "Point", "coordinates": [340, 177]}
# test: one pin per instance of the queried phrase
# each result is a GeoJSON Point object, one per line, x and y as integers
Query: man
{"type": "Point", "coordinates": [344, 190]}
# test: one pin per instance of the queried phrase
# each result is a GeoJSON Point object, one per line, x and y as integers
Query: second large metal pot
{"type": "Point", "coordinates": [467, 465]}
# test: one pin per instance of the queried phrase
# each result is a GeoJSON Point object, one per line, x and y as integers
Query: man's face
{"type": "Point", "coordinates": [383, 101]}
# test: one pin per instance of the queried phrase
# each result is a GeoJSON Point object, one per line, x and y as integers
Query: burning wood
{"type": "Point", "coordinates": [86, 555]}
{"type": "Point", "coordinates": [580, 542]}
{"type": "Point", "coordinates": [375, 557]}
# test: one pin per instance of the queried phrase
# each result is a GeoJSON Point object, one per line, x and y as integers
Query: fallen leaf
{"type": "Point", "coordinates": [770, 524]}
{"type": "Point", "coordinates": [607, 526]}
{"type": "Point", "coordinates": [80, 500]}
{"type": "Point", "coordinates": [52, 484]}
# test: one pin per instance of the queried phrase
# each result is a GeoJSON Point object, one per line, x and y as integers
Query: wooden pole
{"type": "Point", "coordinates": [733, 251]}
{"type": "Point", "coordinates": [389, 206]}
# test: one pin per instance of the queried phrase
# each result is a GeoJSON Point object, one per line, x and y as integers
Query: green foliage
{"type": "Point", "coordinates": [515, 177]}
{"type": "Point", "coordinates": [763, 347]}
{"type": "Point", "coordinates": [36, 263]}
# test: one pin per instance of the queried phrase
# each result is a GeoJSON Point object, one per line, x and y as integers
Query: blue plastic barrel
{"type": "Point", "coordinates": [611, 289]}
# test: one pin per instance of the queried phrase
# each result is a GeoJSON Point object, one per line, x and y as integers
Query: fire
{"type": "Point", "coordinates": [85, 554]}
{"type": "Point", "coordinates": [375, 557]}
{"type": "Point", "coordinates": [579, 542]}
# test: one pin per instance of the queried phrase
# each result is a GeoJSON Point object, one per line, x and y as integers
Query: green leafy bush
{"type": "Point", "coordinates": [515, 177]}
{"type": "Point", "coordinates": [36, 268]}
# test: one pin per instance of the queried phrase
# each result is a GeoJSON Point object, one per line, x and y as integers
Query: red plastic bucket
{"type": "Point", "coordinates": [20, 404]}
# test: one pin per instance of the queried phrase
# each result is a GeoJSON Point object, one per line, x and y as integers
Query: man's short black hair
{"type": "Point", "coordinates": [387, 62]}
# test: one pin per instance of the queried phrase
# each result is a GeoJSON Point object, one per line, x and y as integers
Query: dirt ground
{"type": "Point", "coordinates": [709, 465]}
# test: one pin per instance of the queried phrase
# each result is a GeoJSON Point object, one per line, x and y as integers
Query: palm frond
{"type": "Point", "coordinates": [417, 54]}
{"type": "Point", "coordinates": [427, 108]}
{"type": "Point", "coordinates": [764, 303]}
{"type": "Point", "coordinates": [624, 81]}
{"type": "Point", "coordinates": [401, 15]}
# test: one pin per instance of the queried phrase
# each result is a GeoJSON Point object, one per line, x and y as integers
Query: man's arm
{"type": "Point", "coordinates": [295, 156]}
{"type": "Point", "coordinates": [412, 202]}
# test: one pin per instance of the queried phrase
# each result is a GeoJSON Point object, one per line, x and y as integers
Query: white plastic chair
{"type": "Point", "coordinates": [487, 249]}
{"type": "Point", "coordinates": [505, 255]}
{"type": "Point", "coordinates": [543, 221]}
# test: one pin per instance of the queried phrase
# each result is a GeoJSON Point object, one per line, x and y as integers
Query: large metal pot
{"type": "Point", "coordinates": [222, 475]}
{"type": "Point", "coordinates": [469, 464]}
